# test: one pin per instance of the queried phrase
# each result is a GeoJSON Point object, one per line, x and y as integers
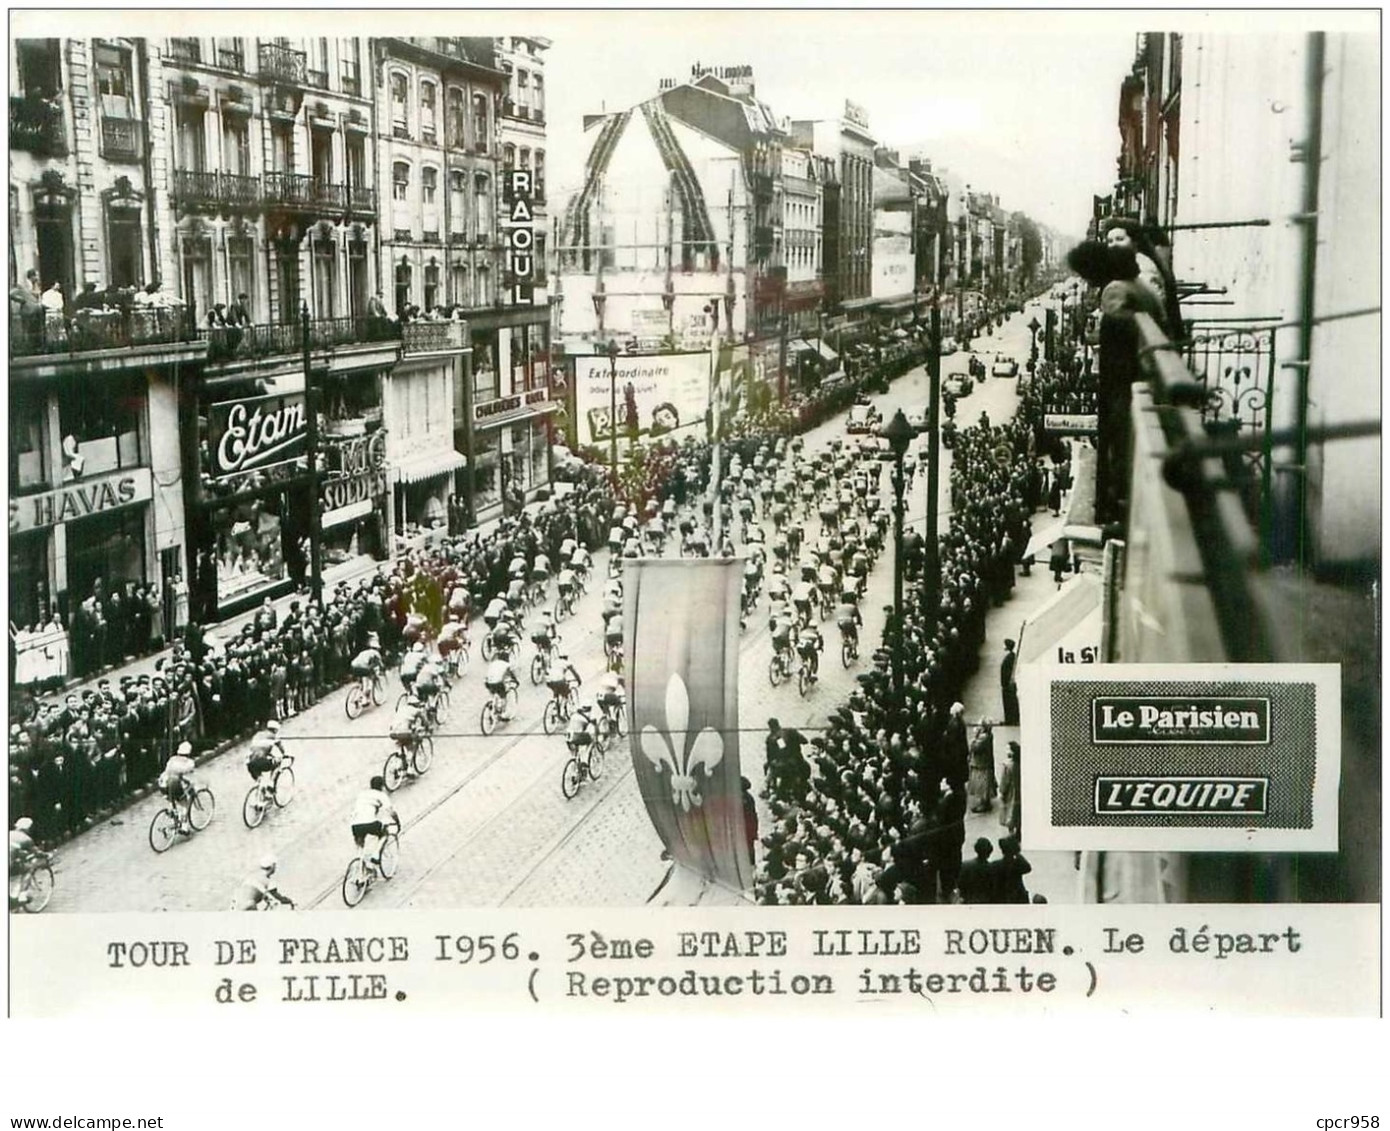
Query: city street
{"type": "Point", "coordinates": [488, 824]}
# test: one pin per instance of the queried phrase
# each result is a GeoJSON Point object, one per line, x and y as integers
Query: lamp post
{"type": "Point", "coordinates": [315, 511]}
{"type": "Point", "coordinates": [898, 433]}
{"type": "Point", "coordinates": [613, 408]}
{"type": "Point", "coordinates": [1033, 328]}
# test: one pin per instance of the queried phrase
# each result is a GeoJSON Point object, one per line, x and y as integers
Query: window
{"type": "Point", "coordinates": [458, 204]}
{"type": "Point", "coordinates": [400, 94]}
{"type": "Point", "coordinates": [538, 189]}
{"type": "Point", "coordinates": [287, 280]}
{"type": "Point", "coordinates": [525, 158]}
{"type": "Point", "coordinates": [196, 262]}
{"type": "Point", "coordinates": [482, 135]}
{"type": "Point", "coordinates": [125, 267]}
{"type": "Point", "coordinates": [107, 428]}
{"type": "Point", "coordinates": [321, 156]}
{"type": "Point", "coordinates": [427, 109]}
{"type": "Point", "coordinates": [114, 81]}
{"type": "Point", "coordinates": [357, 161]}
{"type": "Point", "coordinates": [191, 143]}
{"type": "Point", "coordinates": [40, 72]}
{"type": "Point", "coordinates": [281, 148]}
{"type": "Point", "coordinates": [325, 278]}
{"type": "Point", "coordinates": [509, 155]}
{"type": "Point", "coordinates": [185, 50]}
{"type": "Point", "coordinates": [241, 270]}
{"type": "Point", "coordinates": [458, 284]}
{"type": "Point", "coordinates": [230, 54]}
{"type": "Point", "coordinates": [538, 94]}
{"type": "Point", "coordinates": [431, 286]}
{"type": "Point", "coordinates": [402, 287]}
{"type": "Point", "coordinates": [236, 145]}
{"type": "Point", "coordinates": [429, 179]}
{"type": "Point", "coordinates": [484, 293]}
{"type": "Point", "coordinates": [400, 181]}
{"type": "Point", "coordinates": [358, 276]}
{"type": "Point", "coordinates": [454, 135]}
{"type": "Point", "coordinates": [352, 72]}
{"type": "Point", "coordinates": [482, 204]}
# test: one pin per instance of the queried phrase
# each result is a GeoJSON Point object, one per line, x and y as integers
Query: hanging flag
{"type": "Point", "coordinates": [682, 656]}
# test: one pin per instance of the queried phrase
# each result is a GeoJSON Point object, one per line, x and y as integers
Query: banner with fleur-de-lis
{"type": "Point", "coordinates": [682, 660]}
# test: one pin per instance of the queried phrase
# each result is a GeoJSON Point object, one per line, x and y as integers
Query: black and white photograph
{"type": "Point", "coordinates": [584, 463]}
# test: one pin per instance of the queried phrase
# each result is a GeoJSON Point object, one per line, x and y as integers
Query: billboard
{"type": "Point", "coordinates": [657, 397]}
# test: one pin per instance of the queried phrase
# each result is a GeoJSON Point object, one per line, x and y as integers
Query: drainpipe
{"type": "Point", "coordinates": [143, 66]}
{"type": "Point", "coordinates": [1310, 153]}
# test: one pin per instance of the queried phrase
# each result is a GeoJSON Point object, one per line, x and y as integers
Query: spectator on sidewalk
{"type": "Point", "coordinates": [982, 786]}
{"type": "Point", "coordinates": [1008, 686]}
{"type": "Point", "coordinates": [1010, 805]}
{"type": "Point", "coordinates": [977, 882]}
{"type": "Point", "coordinates": [1009, 871]}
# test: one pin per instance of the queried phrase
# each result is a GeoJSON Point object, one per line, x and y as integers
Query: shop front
{"type": "Point", "coordinates": [420, 405]}
{"type": "Point", "coordinates": [510, 438]}
{"type": "Point", "coordinates": [353, 504]}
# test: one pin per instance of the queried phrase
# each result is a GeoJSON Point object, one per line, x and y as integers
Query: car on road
{"type": "Point", "coordinates": [862, 418]}
{"type": "Point", "coordinates": [918, 419]}
{"type": "Point", "coordinates": [1003, 366]}
{"type": "Point", "coordinates": [948, 346]}
{"type": "Point", "coordinates": [958, 383]}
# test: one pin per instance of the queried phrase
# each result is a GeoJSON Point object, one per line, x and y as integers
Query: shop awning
{"type": "Point", "coordinates": [800, 345]}
{"type": "Point", "coordinates": [428, 465]}
{"type": "Point", "coordinates": [359, 509]}
{"type": "Point", "coordinates": [827, 353]}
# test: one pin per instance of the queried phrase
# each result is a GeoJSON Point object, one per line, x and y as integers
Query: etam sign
{"type": "Point", "coordinates": [521, 235]}
{"type": "Point", "coordinates": [258, 432]}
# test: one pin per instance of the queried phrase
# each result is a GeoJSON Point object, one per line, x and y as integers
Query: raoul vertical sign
{"type": "Point", "coordinates": [521, 235]}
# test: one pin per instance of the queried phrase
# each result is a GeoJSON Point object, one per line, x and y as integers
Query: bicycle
{"type": "Point", "coordinates": [495, 709]}
{"type": "Point", "coordinates": [359, 878]}
{"type": "Point", "coordinates": [780, 668]}
{"type": "Point", "coordinates": [561, 705]}
{"type": "Point", "coordinates": [275, 787]}
{"type": "Point", "coordinates": [564, 605]}
{"type": "Point", "coordinates": [365, 693]}
{"type": "Point", "coordinates": [577, 769]}
{"type": "Point", "coordinates": [456, 659]}
{"type": "Point", "coordinates": [398, 765]}
{"type": "Point", "coordinates": [35, 883]}
{"type": "Point", "coordinates": [849, 647]}
{"type": "Point", "coordinates": [507, 641]}
{"type": "Point", "coordinates": [432, 711]}
{"type": "Point", "coordinates": [613, 655]}
{"type": "Point", "coordinates": [541, 661]}
{"type": "Point", "coordinates": [168, 824]}
{"type": "Point", "coordinates": [804, 678]}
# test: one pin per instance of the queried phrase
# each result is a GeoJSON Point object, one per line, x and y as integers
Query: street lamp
{"type": "Point", "coordinates": [1033, 327]}
{"type": "Point", "coordinates": [898, 432]}
{"type": "Point", "coordinates": [613, 407]}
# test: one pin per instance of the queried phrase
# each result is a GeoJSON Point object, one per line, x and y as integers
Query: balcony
{"type": "Point", "coordinates": [283, 65]}
{"type": "Point", "coordinates": [433, 337]}
{"type": "Point", "coordinates": [185, 51]}
{"type": "Point", "coordinates": [46, 332]}
{"type": "Point", "coordinates": [345, 427]}
{"type": "Point", "coordinates": [122, 139]}
{"type": "Point", "coordinates": [317, 79]}
{"type": "Point", "coordinates": [352, 80]}
{"type": "Point", "coordinates": [231, 60]}
{"type": "Point", "coordinates": [362, 200]}
{"type": "Point", "coordinates": [299, 192]}
{"type": "Point", "coordinates": [37, 126]}
{"type": "Point", "coordinates": [211, 191]}
{"type": "Point", "coordinates": [269, 339]}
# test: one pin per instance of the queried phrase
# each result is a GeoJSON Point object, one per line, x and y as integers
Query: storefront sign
{"type": "Point", "coordinates": [359, 473]}
{"type": "Point", "coordinates": [1070, 423]}
{"type": "Point", "coordinates": [521, 240]}
{"type": "Point", "coordinates": [658, 397]}
{"type": "Point", "coordinates": [81, 500]}
{"type": "Point", "coordinates": [352, 489]}
{"type": "Point", "coordinates": [510, 408]}
{"type": "Point", "coordinates": [258, 432]}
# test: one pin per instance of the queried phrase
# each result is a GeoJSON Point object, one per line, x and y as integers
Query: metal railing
{"type": "Point", "coordinates": [362, 200]}
{"type": "Point", "coordinates": [303, 192]}
{"type": "Point", "coordinates": [185, 51]}
{"type": "Point", "coordinates": [316, 78]}
{"type": "Point", "coordinates": [423, 337]}
{"type": "Point", "coordinates": [47, 332]}
{"type": "Point", "coordinates": [216, 189]}
{"type": "Point", "coordinates": [352, 80]}
{"type": "Point", "coordinates": [236, 343]}
{"type": "Point", "coordinates": [37, 126]}
{"type": "Point", "coordinates": [231, 60]}
{"type": "Point", "coordinates": [282, 64]}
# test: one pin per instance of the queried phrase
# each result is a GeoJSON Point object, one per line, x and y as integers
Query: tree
{"type": "Point", "coordinates": [1030, 250]}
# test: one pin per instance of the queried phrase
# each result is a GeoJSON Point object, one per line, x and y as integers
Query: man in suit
{"type": "Point", "coordinates": [1008, 687]}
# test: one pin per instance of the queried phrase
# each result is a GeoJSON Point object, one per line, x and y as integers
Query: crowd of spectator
{"type": "Point", "coordinates": [872, 808]}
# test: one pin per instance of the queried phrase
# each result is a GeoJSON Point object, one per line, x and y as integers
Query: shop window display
{"type": "Point", "coordinates": [249, 549]}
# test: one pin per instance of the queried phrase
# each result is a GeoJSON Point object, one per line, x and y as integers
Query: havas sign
{"type": "Point", "coordinates": [258, 432]}
{"type": "Point", "coordinates": [81, 500]}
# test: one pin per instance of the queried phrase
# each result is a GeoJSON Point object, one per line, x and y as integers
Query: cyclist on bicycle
{"type": "Point", "coordinates": [611, 696]}
{"type": "Point", "coordinates": [612, 601]}
{"type": "Point", "coordinates": [368, 664]}
{"type": "Point", "coordinates": [496, 609]}
{"type": "Point", "coordinates": [801, 599]}
{"type": "Point", "coordinates": [581, 560]}
{"type": "Point", "coordinates": [405, 723]}
{"type": "Point", "coordinates": [540, 571]}
{"type": "Point", "coordinates": [516, 569]}
{"type": "Point", "coordinates": [808, 645]}
{"type": "Point", "coordinates": [23, 853]}
{"type": "Point", "coordinates": [781, 629]}
{"type": "Point", "coordinates": [256, 891]}
{"type": "Point", "coordinates": [266, 752]}
{"type": "Point", "coordinates": [581, 732]}
{"type": "Point", "coordinates": [828, 579]}
{"type": "Point", "coordinates": [613, 634]}
{"type": "Point", "coordinates": [565, 672]}
{"type": "Point", "coordinates": [567, 549]}
{"type": "Point", "coordinates": [564, 584]}
{"type": "Point", "coordinates": [411, 663]}
{"type": "Point", "coordinates": [177, 783]}
{"type": "Point", "coordinates": [371, 813]}
{"type": "Point", "coordinates": [452, 636]}
{"type": "Point", "coordinates": [848, 618]}
{"type": "Point", "coordinates": [498, 677]}
{"type": "Point", "coordinates": [427, 687]}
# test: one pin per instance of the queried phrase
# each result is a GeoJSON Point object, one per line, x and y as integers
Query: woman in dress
{"type": "Point", "coordinates": [1010, 812]}
{"type": "Point", "coordinates": [981, 787]}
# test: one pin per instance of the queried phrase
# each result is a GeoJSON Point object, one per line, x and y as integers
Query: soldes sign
{"type": "Point", "coordinates": [258, 432]}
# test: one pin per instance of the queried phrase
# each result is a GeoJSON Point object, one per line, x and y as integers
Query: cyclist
{"type": "Point", "coordinates": [613, 635]}
{"type": "Point", "coordinates": [582, 561]}
{"type": "Point", "coordinates": [452, 637]}
{"type": "Point", "coordinates": [581, 732]}
{"type": "Point", "coordinates": [371, 813]}
{"type": "Point", "coordinates": [612, 601]}
{"type": "Point", "coordinates": [565, 671]}
{"type": "Point", "coordinates": [565, 583]}
{"type": "Point", "coordinates": [567, 549]}
{"type": "Point", "coordinates": [801, 598]}
{"type": "Point", "coordinates": [177, 783]}
{"type": "Point", "coordinates": [540, 571]}
{"type": "Point", "coordinates": [368, 664]}
{"type": "Point", "coordinates": [427, 688]}
{"type": "Point", "coordinates": [411, 664]}
{"type": "Point", "coordinates": [494, 612]}
{"type": "Point", "coordinates": [23, 852]}
{"type": "Point", "coordinates": [780, 626]}
{"type": "Point", "coordinates": [405, 723]}
{"type": "Point", "coordinates": [266, 752]}
{"type": "Point", "coordinates": [848, 618]}
{"type": "Point", "coordinates": [256, 891]}
{"type": "Point", "coordinates": [808, 645]}
{"type": "Point", "coordinates": [496, 679]}
{"type": "Point", "coordinates": [611, 697]}
{"type": "Point", "coordinates": [828, 579]}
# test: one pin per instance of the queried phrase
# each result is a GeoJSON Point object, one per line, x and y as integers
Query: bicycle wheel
{"type": "Point", "coordinates": [253, 808]}
{"type": "Point", "coordinates": [162, 830]}
{"type": "Point", "coordinates": [512, 701]}
{"type": "Point", "coordinates": [354, 705]}
{"type": "Point", "coordinates": [401, 698]}
{"type": "Point", "coordinates": [538, 669]}
{"type": "Point", "coordinates": [200, 813]}
{"type": "Point", "coordinates": [282, 787]}
{"type": "Point", "coordinates": [488, 651]}
{"type": "Point", "coordinates": [569, 778]}
{"type": "Point", "coordinates": [441, 703]}
{"type": "Point", "coordinates": [378, 690]}
{"type": "Point", "coordinates": [393, 770]}
{"type": "Point", "coordinates": [488, 722]}
{"type": "Point", "coordinates": [596, 758]}
{"type": "Point", "coordinates": [550, 718]}
{"type": "Point", "coordinates": [846, 653]}
{"type": "Point", "coordinates": [388, 856]}
{"type": "Point", "coordinates": [620, 717]}
{"type": "Point", "coordinates": [423, 756]}
{"type": "Point", "coordinates": [803, 681]}
{"type": "Point", "coordinates": [40, 889]}
{"type": "Point", "coordinates": [354, 883]}
{"type": "Point", "coordinates": [775, 672]}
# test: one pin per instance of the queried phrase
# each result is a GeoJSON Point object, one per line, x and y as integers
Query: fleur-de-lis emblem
{"type": "Point", "coordinates": [668, 748]}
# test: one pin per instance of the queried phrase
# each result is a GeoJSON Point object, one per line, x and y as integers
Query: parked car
{"type": "Point", "coordinates": [1003, 366]}
{"type": "Point", "coordinates": [957, 384]}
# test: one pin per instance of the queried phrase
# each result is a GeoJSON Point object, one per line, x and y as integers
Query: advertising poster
{"type": "Point", "coordinates": [657, 397]}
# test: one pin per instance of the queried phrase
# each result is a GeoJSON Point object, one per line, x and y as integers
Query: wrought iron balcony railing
{"type": "Point", "coordinates": [283, 64]}
{"type": "Point", "coordinates": [48, 332]}
{"type": "Point", "coordinates": [215, 190]}
{"type": "Point", "coordinates": [37, 126]}
{"type": "Point", "coordinates": [236, 343]}
{"type": "Point", "coordinates": [424, 337]}
{"type": "Point", "coordinates": [303, 193]}
{"type": "Point", "coordinates": [362, 200]}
